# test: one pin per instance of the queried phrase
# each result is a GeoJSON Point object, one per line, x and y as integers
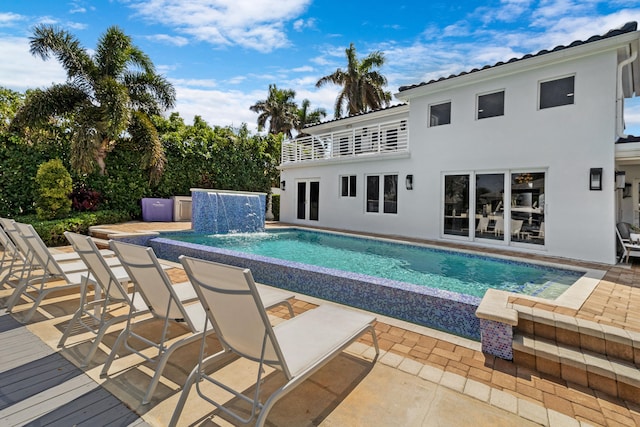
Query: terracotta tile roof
{"type": "Point", "coordinates": [626, 28]}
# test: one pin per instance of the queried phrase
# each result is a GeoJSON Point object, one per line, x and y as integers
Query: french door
{"type": "Point", "coordinates": [308, 200]}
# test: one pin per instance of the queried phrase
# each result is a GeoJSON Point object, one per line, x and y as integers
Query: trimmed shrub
{"type": "Point", "coordinates": [54, 187]}
{"type": "Point", "coordinates": [275, 206]}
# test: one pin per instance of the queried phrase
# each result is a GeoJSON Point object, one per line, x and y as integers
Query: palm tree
{"type": "Point", "coordinates": [362, 87]}
{"type": "Point", "coordinates": [306, 116]}
{"type": "Point", "coordinates": [109, 94]}
{"type": "Point", "coordinates": [279, 109]}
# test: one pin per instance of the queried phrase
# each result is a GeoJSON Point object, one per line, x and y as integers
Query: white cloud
{"type": "Point", "coordinates": [218, 108]}
{"type": "Point", "coordinates": [301, 24]}
{"type": "Point", "coordinates": [25, 71]}
{"type": "Point", "coordinates": [632, 116]}
{"type": "Point", "coordinates": [303, 69]}
{"type": "Point", "coordinates": [8, 19]}
{"type": "Point", "coordinates": [167, 39]}
{"type": "Point", "coordinates": [255, 24]}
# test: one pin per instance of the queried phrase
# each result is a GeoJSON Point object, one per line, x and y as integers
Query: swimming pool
{"type": "Point", "coordinates": [448, 270]}
{"type": "Point", "coordinates": [426, 305]}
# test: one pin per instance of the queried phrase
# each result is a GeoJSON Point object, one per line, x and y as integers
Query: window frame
{"type": "Point", "coordinates": [351, 186]}
{"type": "Point", "coordinates": [431, 116]}
{"type": "Point", "coordinates": [486, 94]}
{"type": "Point", "coordinates": [383, 202]}
{"type": "Point", "coordinates": [568, 95]}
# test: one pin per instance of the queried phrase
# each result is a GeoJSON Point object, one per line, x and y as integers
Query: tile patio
{"type": "Point", "coordinates": [431, 378]}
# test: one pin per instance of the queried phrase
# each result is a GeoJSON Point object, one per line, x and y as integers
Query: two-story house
{"type": "Point", "coordinates": [522, 155]}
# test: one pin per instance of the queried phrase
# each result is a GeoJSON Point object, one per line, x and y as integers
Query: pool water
{"type": "Point", "coordinates": [458, 272]}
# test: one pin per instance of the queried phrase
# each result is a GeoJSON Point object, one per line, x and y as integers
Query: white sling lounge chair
{"type": "Point", "coordinates": [26, 263]}
{"type": "Point", "coordinates": [165, 303]}
{"type": "Point", "coordinates": [110, 295]}
{"type": "Point", "coordinates": [297, 347]}
{"type": "Point", "coordinates": [13, 263]}
{"type": "Point", "coordinates": [44, 269]}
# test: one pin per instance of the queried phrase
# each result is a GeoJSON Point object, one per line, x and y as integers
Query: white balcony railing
{"type": "Point", "coordinates": [382, 138]}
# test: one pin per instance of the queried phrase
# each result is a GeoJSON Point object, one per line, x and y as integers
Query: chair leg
{"type": "Point", "coordinates": [195, 375]}
{"type": "Point", "coordinates": [162, 362]}
{"type": "Point", "coordinates": [123, 336]}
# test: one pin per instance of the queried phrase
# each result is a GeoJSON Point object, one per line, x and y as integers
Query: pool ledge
{"type": "Point", "coordinates": [499, 311]}
{"type": "Point", "coordinates": [495, 307]}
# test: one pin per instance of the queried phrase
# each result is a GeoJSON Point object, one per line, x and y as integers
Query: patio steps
{"type": "Point", "coordinates": [590, 354]}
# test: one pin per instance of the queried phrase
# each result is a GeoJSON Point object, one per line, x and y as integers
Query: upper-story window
{"type": "Point", "coordinates": [440, 114]}
{"type": "Point", "coordinates": [491, 105]}
{"type": "Point", "coordinates": [554, 93]}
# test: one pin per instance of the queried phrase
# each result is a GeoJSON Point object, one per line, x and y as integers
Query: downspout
{"type": "Point", "coordinates": [620, 96]}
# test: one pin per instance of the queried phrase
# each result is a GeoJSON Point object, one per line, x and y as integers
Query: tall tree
{"type": "Point", "coordinates": [362, 86]}
{"type": "Point", "coordinates": [10, 102]}
{"type": "Point", "coordinates": [109, 94]}
{"type": "Point", "coordinates": [279, 109]}
{"type": "Point", "coordinates": [306, 116]}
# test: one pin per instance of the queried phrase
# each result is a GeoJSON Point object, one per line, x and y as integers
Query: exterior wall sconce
{"type": "Point", "coordinates": [283, 185]}
{"type": "Point", "coordinates": [409, 182]}
{"type": "Point", "coordinates": [595, 179]}
{"type": "Point", "coordinates": [620, 179]}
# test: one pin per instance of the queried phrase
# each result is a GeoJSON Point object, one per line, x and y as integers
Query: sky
{"type": "Point", "coordinates": [222, 55]}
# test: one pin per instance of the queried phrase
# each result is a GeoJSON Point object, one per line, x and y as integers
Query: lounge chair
{"type": "Point", "coordinates": [43, 269]}
{"type": "Point", "coordinates": [13, 263]}
{"type": "Point", "coordinates": [167, 303]}
{"type": "Point", "coordinates": [24, 261]}
{"type": "Point", "coordinates": [298, 347]}
{"type": "Point", "coordinates": [498, 228]}
{"type": "Point", "coordinates": [483, 225]}
{"type": "Point", "coordinates": [110, 295]}
{"type": "Point", "coordinates": [628, 248]}
{"type": "Point", "coordinates": [516, 228]}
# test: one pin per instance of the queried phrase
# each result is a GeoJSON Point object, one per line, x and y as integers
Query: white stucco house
{"type": "Point", "coordinates": [521, 155]}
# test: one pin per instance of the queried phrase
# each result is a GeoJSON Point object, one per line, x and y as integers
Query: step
{"type": "Point", "coordinates": [583, 334]}
{"type": "Point", "coordinates": [607, 374]}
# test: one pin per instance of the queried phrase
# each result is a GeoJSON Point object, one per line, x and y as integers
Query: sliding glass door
{"type": "Point", "coordinates": [527, 207]}
{"type": "Point", "coordinates": [489, 214]}
{"type": "Point", "coordinates": [506, 207]}
{"type": "Point", "coordinates": [456, 205]}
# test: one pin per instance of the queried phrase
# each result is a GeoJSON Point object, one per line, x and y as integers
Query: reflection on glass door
{"type": "Point", "coordinates": [314, 199]}
{"type": "Point", "coordinates": [527, 207]}
{"type": "Point", "coordinates": [456, 205]}
{"type": "Point", "coordinates": [489, 222]}
{"type": "Point", "coordinates": [302, 200]}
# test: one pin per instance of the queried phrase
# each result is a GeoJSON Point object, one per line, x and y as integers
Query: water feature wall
{"type": "Point", "coordinates": [223, 212]}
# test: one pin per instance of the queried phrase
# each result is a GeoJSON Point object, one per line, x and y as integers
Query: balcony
{"type": "Point", "coordinates": [379, 139]}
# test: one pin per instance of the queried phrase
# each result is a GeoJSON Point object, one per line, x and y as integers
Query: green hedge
{"type": "Point", "coordinates": [52, 231]}
{"type": "Point", "coordinates": [275, 206]}
{"type": "Point", "coordinates": [198, 156]}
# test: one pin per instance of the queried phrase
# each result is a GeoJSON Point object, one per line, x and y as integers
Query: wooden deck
{"type": "Point", "coordinates": [39, 387]}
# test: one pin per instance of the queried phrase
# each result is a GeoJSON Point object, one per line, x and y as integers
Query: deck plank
{"type": "Point", "coordinates": [39, 387]}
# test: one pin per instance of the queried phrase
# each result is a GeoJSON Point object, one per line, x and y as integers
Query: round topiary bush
{"type": "Point", "coordinates": [54, 186]}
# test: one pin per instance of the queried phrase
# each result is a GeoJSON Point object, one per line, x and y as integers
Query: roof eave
{"type": "Point", "coordinates": [516, 66]}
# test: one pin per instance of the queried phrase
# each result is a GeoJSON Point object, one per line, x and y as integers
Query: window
{"type": "Point", "coordinates": [389, 193]}
{"type": "Point", "coordinates": [554, 93]}
{"type": "Point", "coordinates": [348, 186]}
{"type": "Point", "coordinates": [373, 193]}
{"type": "Point", "coordinates": [440, 114]}
{"type": "Point", "coordinates": [491, 105]}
